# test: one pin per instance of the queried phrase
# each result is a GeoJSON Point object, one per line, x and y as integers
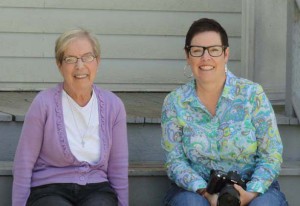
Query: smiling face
{"type": "Point", "coordinates": [81, 75]}
{"type": "Point", "coordinates": [207, 69]}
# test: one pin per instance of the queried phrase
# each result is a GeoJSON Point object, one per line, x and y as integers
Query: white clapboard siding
{"type": "Point", "coordinates": [113, 74]}
{"type": "Point", "coordinates": [141, 41]}
{"type": "Point", "coordinates": [139, 5]}
{"type": "Point", "coordinates": [112, 46]}
{"type": "Point", "coordinates": [33, 20]}
{"type": "Point", "coordinates": [122, 71]}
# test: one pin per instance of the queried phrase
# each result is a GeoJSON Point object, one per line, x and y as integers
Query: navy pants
{"type": "Point", "coordinates": [69, 194]}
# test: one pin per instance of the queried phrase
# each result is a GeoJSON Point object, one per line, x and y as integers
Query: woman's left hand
{"type": "Point", "coordinates": [245, 197]}
{"type": "Point", "coordinates": [212, 198]}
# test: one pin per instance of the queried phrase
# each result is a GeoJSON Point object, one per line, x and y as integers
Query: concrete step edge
{"type": "Point", "coordinates": [289, 168]}
{"type": "Point", "coordinates": [281, 119]}
{"type": "Point", "coordinates": [141, 107]}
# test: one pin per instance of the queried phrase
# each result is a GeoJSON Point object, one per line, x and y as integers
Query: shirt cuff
{"type": "Point", "coordinates": [256, 186]}
{"type": "Point", "coordinates": [197, 185]}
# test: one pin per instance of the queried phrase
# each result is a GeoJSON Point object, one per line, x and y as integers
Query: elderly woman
{"type": "Point", "coordinates": [73, 146]}
{"type": "Point", "coordinates": [219, 123]}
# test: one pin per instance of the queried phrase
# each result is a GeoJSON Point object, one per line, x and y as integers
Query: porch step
{"type": "Point", "coordinates": [145, 169]}
{"type": "Point", "coordinates": [142, 107]}
{"type": "Point", "coordinates": [148, 183]}
{"type": "Point", "coordinates": [147, 178]}
{"type": "Point", "coordinates": [143, 118]}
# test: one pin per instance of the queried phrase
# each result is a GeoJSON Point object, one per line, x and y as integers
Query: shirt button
{"type": "Point", "coordinates": [81, 178]}
{"type": "Point", "coordinates": [214, 120]}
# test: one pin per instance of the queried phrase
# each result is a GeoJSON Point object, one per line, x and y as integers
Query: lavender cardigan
{"type": "Point", "coordinates": [43, 155]}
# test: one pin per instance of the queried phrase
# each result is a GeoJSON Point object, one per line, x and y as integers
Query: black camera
{"type": "Point", "coordinates": [222, 183]}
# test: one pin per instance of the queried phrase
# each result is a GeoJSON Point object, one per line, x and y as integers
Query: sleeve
{"type": "Point", "coordinates": [269, 152]}
{"type": "Point", "coordinates": [177, 163]}
{"type": "Point", "coordinates": [118, 158]}
{"type": "Point", "coordinates": [27, 152]}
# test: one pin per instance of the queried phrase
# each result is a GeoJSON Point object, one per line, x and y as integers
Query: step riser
{"type": "Point", "coordinates": [290, 136]}
{"type": "Point", "coordinates": [290, 185]}
{"type": "Point", "coordinates": [10, 132]}
{"type": "Point", "coordinates": [5, 190]}
{"type": "Point", "coordinates": [144, 141]}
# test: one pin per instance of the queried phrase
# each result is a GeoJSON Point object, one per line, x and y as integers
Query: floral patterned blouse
{"type": "Point", "coordinates": [242, 136]}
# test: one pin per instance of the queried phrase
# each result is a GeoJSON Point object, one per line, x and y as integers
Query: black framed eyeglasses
{"type": "Point", "coordinates": [214, 51]}
{"type": "Point", "coordinates": [73, 60]}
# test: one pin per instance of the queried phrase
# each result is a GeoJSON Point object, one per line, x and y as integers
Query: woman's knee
{"type": "Point", "coordinates": [273, 197]}
{"type": "Point", "coordinates": [49, 200]}
{"type": "Point", "coordinates": [187, 198]}
{"type": "Point", "coordinates": [100, 199]}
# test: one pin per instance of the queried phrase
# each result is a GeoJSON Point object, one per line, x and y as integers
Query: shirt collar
{"type": "Point", "coordinates": [189, 93]}
{"type": "Point", "coordinates": [230, 86]}
{"type": "Point", "coordinates": [189, 90]}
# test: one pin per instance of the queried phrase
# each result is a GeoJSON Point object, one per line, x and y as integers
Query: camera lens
{"type": "Point", "coordinates": [229, 196]}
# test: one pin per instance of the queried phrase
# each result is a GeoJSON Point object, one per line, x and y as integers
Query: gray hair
{"type": "Point", "coordinates": [65, 38]}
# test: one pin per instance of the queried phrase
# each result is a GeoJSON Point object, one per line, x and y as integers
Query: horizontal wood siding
{"type": "Point", "coordinates": [115, 22]}
{"type": "Point", "coordinates": [141, 40]}
{"type": "Point", "coordinates": [123, 71]}
{"type": "Point", "coordinates": [133, 5]}
{"type": "Point", "coordinates": [112, 46]}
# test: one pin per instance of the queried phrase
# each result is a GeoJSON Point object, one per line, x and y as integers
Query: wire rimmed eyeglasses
{"type": "Point", "coordinates": [198, 51]}
{"type": "Point", "coordinates": [73, 60]}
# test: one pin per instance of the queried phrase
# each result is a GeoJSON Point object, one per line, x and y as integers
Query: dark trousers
{"type": "Point", "coordinates": [69, 194]}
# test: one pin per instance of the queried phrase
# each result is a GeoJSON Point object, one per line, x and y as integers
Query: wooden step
{"type": "Point", "coordinates": [148, 183]}
{"type": "Point", "coordinates": [141, 107]}
{"type": "Point", "coordinates": [289, 168]}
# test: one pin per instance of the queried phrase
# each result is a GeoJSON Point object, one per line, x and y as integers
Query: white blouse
{"type": "Point", "coordinates": [82, 127]}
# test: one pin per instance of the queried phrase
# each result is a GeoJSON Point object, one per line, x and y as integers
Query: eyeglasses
{"type": "Point", "coordinates": [74, 60]}
{"type": "Point", "coordinates": [198, 51]}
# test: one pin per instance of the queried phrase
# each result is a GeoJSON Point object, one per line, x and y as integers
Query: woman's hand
{"type": "Point", "coordinates": [245, 197]}
{"type": "Point", "coordinates": [212, 198]}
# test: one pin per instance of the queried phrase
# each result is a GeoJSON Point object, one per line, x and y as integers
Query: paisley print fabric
{"type": "Point", "coordinates": [242, 136]}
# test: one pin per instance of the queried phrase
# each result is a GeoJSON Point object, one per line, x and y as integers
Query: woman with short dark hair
{"type": "Point", "coordinates": [219, 126]}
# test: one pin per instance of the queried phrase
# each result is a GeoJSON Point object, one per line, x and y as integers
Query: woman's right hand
{"type": "Point", "coordinates": [212, 198]}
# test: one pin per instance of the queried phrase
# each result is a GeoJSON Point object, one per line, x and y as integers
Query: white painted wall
{"type": "Point", "coordinates": [141, 40]}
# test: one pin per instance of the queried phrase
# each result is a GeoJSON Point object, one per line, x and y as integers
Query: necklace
{"type": "Point", "coordinates": [84, 134]}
